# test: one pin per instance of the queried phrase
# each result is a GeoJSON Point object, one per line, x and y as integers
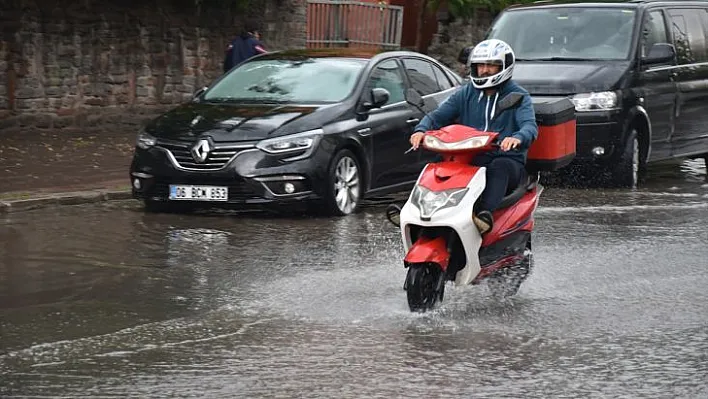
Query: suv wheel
{"type": "Point", "coordinates": [631, 166]}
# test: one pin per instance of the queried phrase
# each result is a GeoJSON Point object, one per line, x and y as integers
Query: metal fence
{"type": "Point", "coordinates": [332, 23]}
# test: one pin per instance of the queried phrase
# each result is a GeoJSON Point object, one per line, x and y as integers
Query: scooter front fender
{"type": "Point", "coordinates": [429, 250]}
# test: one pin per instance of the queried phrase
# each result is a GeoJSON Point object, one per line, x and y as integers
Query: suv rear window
{"type": "Point", "coordinates": [574, 33]}
{"type": "Point", "coordinates": [689, 37]}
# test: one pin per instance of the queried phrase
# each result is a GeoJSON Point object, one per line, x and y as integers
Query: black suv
{"type": "Point", "coordinates": [323, 127]}
{"type": "Point", "coordinates": [636, 71]}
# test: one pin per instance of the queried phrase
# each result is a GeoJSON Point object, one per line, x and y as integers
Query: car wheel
{"type": "Point", "coordinates": [630, 168]}
{"type": "Point", "coordinates": [344, 184]}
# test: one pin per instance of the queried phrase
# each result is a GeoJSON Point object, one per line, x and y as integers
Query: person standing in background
{"type": "Point", "coordinates": [244, 46]}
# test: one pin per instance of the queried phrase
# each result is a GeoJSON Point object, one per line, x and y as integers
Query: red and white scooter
{"type": "Point", "coordinates": [440, 238]}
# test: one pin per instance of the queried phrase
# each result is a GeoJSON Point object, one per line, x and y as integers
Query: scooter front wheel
{"type": "Point", "coordinates": [425, 286]}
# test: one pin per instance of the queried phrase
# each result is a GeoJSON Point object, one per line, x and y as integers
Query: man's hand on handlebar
{"type": "Point", "coordinates": [415, 140]}
{"type": "Point", "coordinates": [509, 143]}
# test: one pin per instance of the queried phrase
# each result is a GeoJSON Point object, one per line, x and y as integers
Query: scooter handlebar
{"type": "Point", "coordinates": [496, 144]}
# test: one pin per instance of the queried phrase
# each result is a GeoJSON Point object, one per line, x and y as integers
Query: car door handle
{"type": "Point", "coordinates": [364, 132]}
{"type": "Point", "coordinates": [412, 121]}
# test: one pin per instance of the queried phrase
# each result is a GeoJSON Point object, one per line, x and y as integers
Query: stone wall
{"type": "Point", "coordinates": [95, 62]}
{"type": "Point", "coordinates": [455, 34]}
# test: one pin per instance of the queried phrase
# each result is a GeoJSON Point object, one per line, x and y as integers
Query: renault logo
{"type": "Point", "coordinates": [200, 150]}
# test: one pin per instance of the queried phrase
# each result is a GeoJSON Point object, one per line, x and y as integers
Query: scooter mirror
{"type": "Point", "coordinates": [511, 100]}
{"type": "Point", "coordinates": [464, 56]}
{"type": "Point", "coordinates": [393, 214]}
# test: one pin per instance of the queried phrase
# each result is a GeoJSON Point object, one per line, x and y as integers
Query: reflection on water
{"type": "Point", "coordinates": [678, 173]}
{"type": "Point", "coordinates": [105, 300]}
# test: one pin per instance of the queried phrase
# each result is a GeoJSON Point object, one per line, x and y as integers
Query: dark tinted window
{"type": "Point", "coordinates": [590, 33]}
{"type": "Point", "coordinates": [421, 75]}
{"type": "Point", "coordinates": [387, 75]}
{"type": "Point", "coordinates": [654, 31]}
{"type": "Point", "coordinates": [443, 80]}
{"type": "Point", "coordinates": [689, 37]}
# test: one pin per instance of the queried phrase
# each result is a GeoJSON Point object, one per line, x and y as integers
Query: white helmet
{"type": "Point", "coordinates": [492, 51]}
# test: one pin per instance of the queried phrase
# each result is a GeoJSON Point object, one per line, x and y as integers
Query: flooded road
{"type": "Point", "coordinates": [107, 301]}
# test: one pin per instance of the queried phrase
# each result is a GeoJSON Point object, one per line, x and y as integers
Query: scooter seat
{"type": "Point", "coordinates": [527, 184]}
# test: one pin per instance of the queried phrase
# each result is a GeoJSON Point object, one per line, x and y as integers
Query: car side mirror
{"type": "Point", "coordinates": [464, 55]}
{"type": "Point", "coordinates": [511, 100]}
{"type": "Point", "coordinates": [379, 97]}
{"type": "Point", "coordinates": [660, 53]}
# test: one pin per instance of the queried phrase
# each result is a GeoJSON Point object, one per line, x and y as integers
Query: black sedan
{"type": "Point", "coordinates": [322, 127]}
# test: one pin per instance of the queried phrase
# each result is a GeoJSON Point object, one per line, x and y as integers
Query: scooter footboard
{"type": "Point", "coordinates": [429, 250]}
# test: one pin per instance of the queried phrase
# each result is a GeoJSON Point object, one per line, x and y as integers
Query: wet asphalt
{"type": "Point", "coordinates": [105, 300]}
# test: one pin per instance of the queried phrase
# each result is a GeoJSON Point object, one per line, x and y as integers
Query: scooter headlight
{"type": "Point", "coordinates": [429, 201]}
{"type": "Point", "coordinates": [433, 143]}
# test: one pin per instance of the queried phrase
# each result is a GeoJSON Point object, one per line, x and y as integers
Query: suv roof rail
{"type": "Point", "coordinates": [577, 2]}
{"type": "Point", "coordinates": [604, 1]}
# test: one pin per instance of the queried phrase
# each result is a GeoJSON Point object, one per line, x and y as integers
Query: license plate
{"type": "Point", "coordinates": [199, 193]}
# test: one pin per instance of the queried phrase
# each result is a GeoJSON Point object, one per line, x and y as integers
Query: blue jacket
{"type": "Point", "coordinates": [472, 107]}
{"type": "Point", "coordinates": [240, 49]}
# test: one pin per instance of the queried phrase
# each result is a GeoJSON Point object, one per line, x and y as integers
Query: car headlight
{"type": "Point", "coordinates": [291, 143]}
{"type": "Point", "coordinates": [429, 201]}
{"type": "Point", "coordinates": [145, 141]}
{"type": "Point", "coordinates": [434, 143]}
{"type": "Point", "coordinates": [595, 101]}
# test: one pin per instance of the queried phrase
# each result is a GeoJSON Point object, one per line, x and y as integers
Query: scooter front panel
{"type": "Point", "coordinates": [459, 218]}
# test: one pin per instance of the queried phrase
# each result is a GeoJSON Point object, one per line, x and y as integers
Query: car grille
{"type": "Point", "coordinates": [218, 158]}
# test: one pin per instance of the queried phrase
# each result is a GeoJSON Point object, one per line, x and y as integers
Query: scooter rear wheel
{"type": "Point", "coordinates": [425, 286]}
{"type": "Point", "coordinates": [506, 282]}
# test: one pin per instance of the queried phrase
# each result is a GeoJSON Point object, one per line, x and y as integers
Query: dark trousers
{"type": "Point", "coordinates": [503, 176]}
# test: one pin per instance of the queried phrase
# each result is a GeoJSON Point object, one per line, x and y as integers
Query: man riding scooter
{"type": "Point", "coordinates": [491, 68]}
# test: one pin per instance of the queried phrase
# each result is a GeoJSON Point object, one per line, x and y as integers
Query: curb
{"type": "Point", "coordinates": [69, 198]}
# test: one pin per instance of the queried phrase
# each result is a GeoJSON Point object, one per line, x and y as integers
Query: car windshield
{"type": "Point", "coordinates": [307, 80]}
{"type": "Point", "coordinates": [572, 33]}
